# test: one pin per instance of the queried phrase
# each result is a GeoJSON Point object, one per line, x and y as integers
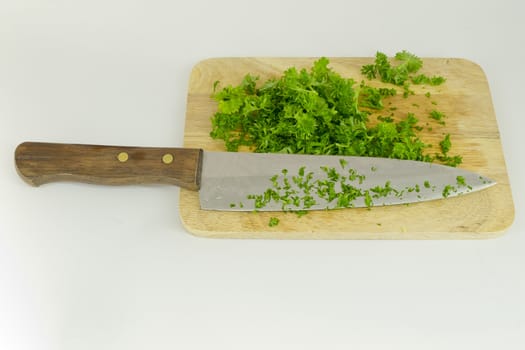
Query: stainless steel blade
{"type": "Point", "coordinates": [229, 178]}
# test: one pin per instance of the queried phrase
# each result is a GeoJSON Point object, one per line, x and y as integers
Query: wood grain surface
{"type": "Point", "coordinates": [39, 163]}
{"type": "Point", "coordinates": [466, 101]}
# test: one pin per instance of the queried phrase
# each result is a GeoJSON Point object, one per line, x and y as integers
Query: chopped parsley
{"type": "Point", "coordinates": [445, 146]}
{"type": "Point", "coordinates": [447, 190]}
{"type": "Point", "coordinates": [460, 180]}
{"type": "Point", "coordinates": [336, 188]}
{"type": "Point", "coordinates": [318, 111]}
{"type": "Point", "coordinates": [437, 116]}
{"type": "Point", "coordinates": [401, 74]}
{"type": "Point", "coordinates": [273, 222]}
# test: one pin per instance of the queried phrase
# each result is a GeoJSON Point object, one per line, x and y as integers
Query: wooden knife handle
{"type": "Point", "coordinates": [39, 163]}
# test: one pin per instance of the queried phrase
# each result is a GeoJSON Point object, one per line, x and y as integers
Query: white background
{"type": "Point", "coordinates": [89, 267]}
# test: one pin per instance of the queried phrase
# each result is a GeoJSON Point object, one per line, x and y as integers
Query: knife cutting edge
{"type": "Point", "coordinates": [242, 181]}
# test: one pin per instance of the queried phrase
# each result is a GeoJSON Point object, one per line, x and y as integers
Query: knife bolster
{"type": "Point", "coordinates": [39, 163]}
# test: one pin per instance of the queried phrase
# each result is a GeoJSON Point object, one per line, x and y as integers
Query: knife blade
{"type": "Point", "coordinates": [242, 181]}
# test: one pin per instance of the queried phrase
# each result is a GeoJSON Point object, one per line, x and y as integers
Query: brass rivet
{"type": "Point", "coordinates": [122, 157]}
{"type": "Point", "coordinates": [167, 158]}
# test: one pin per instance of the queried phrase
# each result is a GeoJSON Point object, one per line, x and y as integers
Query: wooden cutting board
{"type": "Point", "coordinates": [464, 98]}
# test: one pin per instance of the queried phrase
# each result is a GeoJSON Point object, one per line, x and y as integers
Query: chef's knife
{"type": "Point", "coordinates": [243, 181]}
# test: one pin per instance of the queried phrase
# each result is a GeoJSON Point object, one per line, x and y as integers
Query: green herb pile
{"type": "Point", "coordinates": [317, 111]}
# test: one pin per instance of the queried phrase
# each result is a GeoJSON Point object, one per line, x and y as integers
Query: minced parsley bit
{"type": "Point", "coordinates": [460, 180]}
{"type": "Point", "coordinates": [273, 222]}
{"type": "Point", "coordinates": [447, 190]}
{"type": "Point", "coordinates": [437, 116]}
